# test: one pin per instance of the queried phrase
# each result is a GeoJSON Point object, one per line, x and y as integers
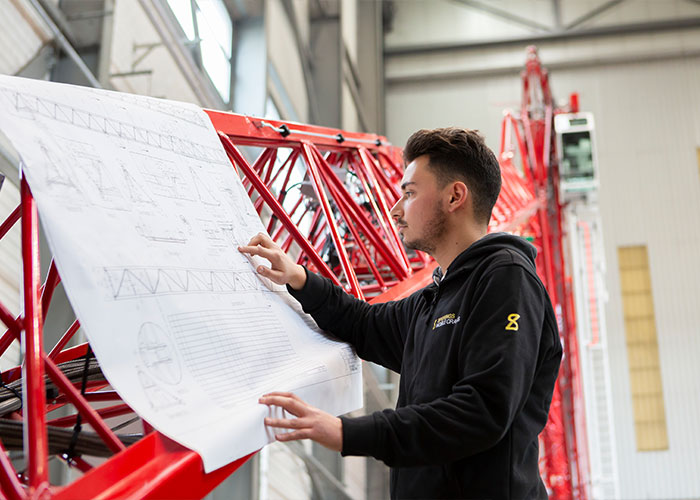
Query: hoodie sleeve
{"type": "Point", "coordinates": [376, 331]}
{"type": "Point", "coordinates": [498, 352]}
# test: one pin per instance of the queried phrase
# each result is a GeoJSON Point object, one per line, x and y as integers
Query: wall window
{"type": "Point", "coordinates": [642, 349]}
{"type": "Point", "coordinates": [208, 28]}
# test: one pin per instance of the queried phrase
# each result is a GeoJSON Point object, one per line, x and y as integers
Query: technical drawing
{"type": "Point", "coordinates": [28, 105]}
{"type": "Point", "coordinates": [160, 229]}
{"type": "Point", "coordinates": [246, 339]}
{"type": "Point", "coordinates": [135, 192]}
{"type": "Point", "coordinates": [154, 104]}
{"type": "Point", "coordinates": [158, 398]}
{"type": "Point", "coordinates": [158, 354]}
{"type": "Point", "coordinates": [352, 362]}
{"type": "Point", "coordinates": [136, 282]}
{"type": "Point", "coordinates": [213, 232]}
{"type": "Point", "coordinates": [98, 183]}
{"type": "Point", "coordinates": [59, 176]}
{"type": "Point", "coordinates": [218, 233]}
{"type": "Point", "coordinates": [163, 178]}
{"type": "Point", "coordinates": [204, 192]}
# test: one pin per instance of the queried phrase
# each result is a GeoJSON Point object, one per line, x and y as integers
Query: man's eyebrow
{"type": "Point", "coordinates": [403, 186]}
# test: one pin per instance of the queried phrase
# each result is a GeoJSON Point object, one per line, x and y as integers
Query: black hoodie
{"type": "Point", "coordinates": [478, 352]}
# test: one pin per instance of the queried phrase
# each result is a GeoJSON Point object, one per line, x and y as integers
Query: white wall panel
{"type": "Point", "coordinates": [22, 34]}
{"type": "Point", "coordinates": [284, 56]}
{"type": "Point", "coordinates": [10, 267]}
{"type": "Point", "coordinates": [348, 27]}
{"type": "Point", "coordinates": [132, 32]}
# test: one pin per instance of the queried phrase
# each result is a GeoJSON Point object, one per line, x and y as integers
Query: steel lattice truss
{"type": "Point", "coordinates": [325, 197]}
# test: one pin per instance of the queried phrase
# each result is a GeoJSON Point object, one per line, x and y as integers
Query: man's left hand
{"type": "Point", "coordinates": [311, 423]}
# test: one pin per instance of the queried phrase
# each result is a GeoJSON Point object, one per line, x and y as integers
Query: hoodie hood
{"type": "Point", "coordinates": [471, 257]}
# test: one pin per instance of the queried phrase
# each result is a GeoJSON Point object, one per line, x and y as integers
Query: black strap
{"type": "Point", "coordinates": [13, 391]}
{"type": "Point", "coordinates": [70, 453]}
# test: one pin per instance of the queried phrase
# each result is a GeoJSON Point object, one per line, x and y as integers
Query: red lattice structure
{"type": "Point", "coordinates": [324, 196]}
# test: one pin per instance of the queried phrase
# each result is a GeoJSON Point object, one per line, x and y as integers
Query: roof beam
{"type": "Point", "coordinates": [556, 11]}
{"type": "Point", "coordinates": [614, 60]}
{"type": "Point", "coordinates": [593, 13]}
{"type": "Point", "coordinates": [602, 31]}
{"type": "Point", "coordinates": [504, 14]}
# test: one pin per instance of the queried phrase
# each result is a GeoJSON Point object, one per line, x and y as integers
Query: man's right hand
{"type": "Point", "coordinates": [284, 270]}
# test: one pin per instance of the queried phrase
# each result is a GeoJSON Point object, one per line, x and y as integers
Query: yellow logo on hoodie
{"type": "Point", "coordinates": [513, 322]}
{"type": "Point", "coordinates": [447, 319]}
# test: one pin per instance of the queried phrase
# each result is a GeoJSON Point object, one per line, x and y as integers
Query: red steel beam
{"type": "Point", "coordinates": [277, 209]}
{"type": "Point", "coordinates": [52, 281]}
{"type": "Point", "coordinates": [12, 488]}
{"type": "Point", "coordinates": [65, 338]}
{"type": "Point", "coordinates": [153, 468]}
{"type": "Point", "coordinates": [33, 369]}
{"type": "Point", "coordinates": [10, 220]}
{"type": "Point", "coordinates": [87, 411]}
{"type": "Point", "coordinates": [352, 212]}
{"type": "Point", "coordinates": [307, 152]}
{"type": "Point", "coordinates": [104, 413]}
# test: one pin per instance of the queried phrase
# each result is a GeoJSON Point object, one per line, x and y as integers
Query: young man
{"type": "Point", "coordinates": [478, 350]}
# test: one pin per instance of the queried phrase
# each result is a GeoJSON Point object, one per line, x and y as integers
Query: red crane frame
{"type": "Point", "coordinates": [338, 224]}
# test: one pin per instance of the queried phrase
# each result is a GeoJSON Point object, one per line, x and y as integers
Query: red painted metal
{"type": "Point", "coordinates": [336, 219]}
{"type": "Point", "coordinates": [311, 162]}
{"type": "Point", "coordinates": [52, 281]}
{"type": "Point", "coordinates": [12, 488]}
{"type": "Point", "coordinates": [153, 468]}
{"type": "Point", "coordinates": [10, 220]}
{"type": "Point", "coordinates": [103, 413]}
{"type": "Point", "coordinates": [87, 411]}
{"type": "Point", "coordinates": [12, 323]}
{"type": "Point", "coordinates": [72, 330]}
{"type": "Point", "coordinates": [238, 159]}
{"type": "Point", "coordinates": [562, 465]}
{"type": "Point", "coordinates": [33, 372]}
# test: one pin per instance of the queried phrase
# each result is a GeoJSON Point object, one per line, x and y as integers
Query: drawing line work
{"type": "Point", "coordinates": [249, 351]}
{"type": "Point", "coordinates": [158, 354]}
{"type": "Point", "coordinates": [26, 103]}
{"type": "Point", "coordinates": [158, 398]}
{"type": "Point", "coordinates": [134, 282]}
{"type": "Point", "coordinates": [159, 105]}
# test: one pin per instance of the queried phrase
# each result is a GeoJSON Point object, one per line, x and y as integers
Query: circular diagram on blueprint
{"type": "Point", "coordinates": [158, 354]}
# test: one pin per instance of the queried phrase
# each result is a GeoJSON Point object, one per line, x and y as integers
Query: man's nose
{"type": "Point", "coordinates": [396, 210]}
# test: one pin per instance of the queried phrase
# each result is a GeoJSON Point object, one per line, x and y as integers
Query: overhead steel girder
{"type": "Point", "coordinates": [504, 14]}
{"type": "Point", "coordinates": [513, 70]}
{"type": "Point", "coordinates": [556, 11]}
{"type": "Point", "coordinates": [602, 31]}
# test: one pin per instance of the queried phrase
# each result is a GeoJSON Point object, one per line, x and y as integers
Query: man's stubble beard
{"type": "Point", "coordinates": [434, 230]}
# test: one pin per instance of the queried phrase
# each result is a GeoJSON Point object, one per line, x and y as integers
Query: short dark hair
{"type": "Point", "coordinates": [458, 154]}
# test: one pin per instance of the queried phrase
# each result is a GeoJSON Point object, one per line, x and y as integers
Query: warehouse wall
{"type": "Point", "coordinates": [644, 90]}
{"type": "Point", "coordinates": [144, 68]}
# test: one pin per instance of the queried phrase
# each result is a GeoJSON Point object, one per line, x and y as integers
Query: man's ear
{"type": "Point", "coordinates": [458, 196]}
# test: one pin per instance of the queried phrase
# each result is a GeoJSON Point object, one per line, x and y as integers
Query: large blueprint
{"type": "Point", "coordinates": [143, 213]}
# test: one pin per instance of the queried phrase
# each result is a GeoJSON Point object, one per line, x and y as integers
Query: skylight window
{"type": "Point", "coordinates": [209, 31]}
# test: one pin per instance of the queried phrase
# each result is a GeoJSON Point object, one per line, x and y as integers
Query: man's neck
{"type": "Point", "coordinates": [456, 243]}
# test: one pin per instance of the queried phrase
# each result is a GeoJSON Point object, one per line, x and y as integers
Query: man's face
{"type": "Point", "coordinates": [419, 214]}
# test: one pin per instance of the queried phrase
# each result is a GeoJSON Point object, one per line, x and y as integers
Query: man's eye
{"type": "Point", "coordinates": [408, 194]}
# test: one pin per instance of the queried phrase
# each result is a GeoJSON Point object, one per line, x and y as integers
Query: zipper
{"type": "Point", "coordinates": [431, 308]}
